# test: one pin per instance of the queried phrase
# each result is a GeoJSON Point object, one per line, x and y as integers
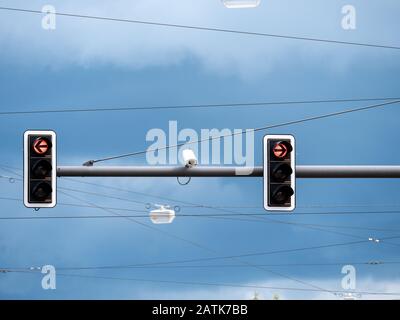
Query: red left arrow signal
{"type": "Point", "coordinates": [40, 146]}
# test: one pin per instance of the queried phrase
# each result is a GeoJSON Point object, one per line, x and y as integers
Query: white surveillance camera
{"type": "Point", "coordinates": [189, 158]}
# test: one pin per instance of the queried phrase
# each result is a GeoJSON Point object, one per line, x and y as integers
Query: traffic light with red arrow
{"type": "Point", "coordinates": [40, 168]}
{"type": "Point", "coordinates": [279, 173]}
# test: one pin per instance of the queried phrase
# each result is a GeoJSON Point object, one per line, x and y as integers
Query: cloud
{"type": "Point", "coordinates": [228, 293]}
{"type": "Point", "coordinates": [90, 43]}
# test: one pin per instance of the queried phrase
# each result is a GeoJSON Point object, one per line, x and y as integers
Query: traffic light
{"type": "Point", "coordinates": [40, 169]}
{"type": "Point", "coordinates": [279, 173]}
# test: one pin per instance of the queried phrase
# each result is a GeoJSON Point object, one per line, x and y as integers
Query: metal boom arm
{"type": "Point", "coordinates": [309, 171]}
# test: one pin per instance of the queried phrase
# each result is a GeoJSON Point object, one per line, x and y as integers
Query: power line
{"type": "Point", "coordinates": [146, 194]}
{"type": "Point", "coordinates": [193, 106]}
{"type": "Point", "coordinates": [285, 276]}
{"type": "Point", "coordinates": [140, 223]}
{"type": "Point", "coordinates": [80, 191]}
{"type": "Point", "coordinates": [102, 195]}
{"type": "Point", "coordinates": [204, 247]}
{"type": "Point", "coordinates": [210, 206]}
{"type": "Point", "coordinates": [234, 257]}
{"type": "Point", "coordinates": [221, 208]}
{"type": "Point", "coordinates": [220, 215]}
{"type": "Point", "coordinates": [194, 283]}
{"type": "Point", "coordinates": [309, 226]}
{"type": "Point", "coordinates": [264, 253]}
{"type": "Point", "coordinates": [267, 270]}
{"type": "Point", "coordinates": [225, 207]}
{"type": "Point", "coordinates": [199, 215]}
{"type": "Point", "coordinates": [222, 266]}
{"type": "Point", "coordinates": [232, 216]}
{"type": "Point", "coordinates": [82, 206]}
{"type": "Point", "coordinates": [212, 29]}
{"type": "Point", "coordinates": [324, 116]}
{"type": "Point", "coordinates": [367, 263]}
{"type": "Point", "coordinates": [4, 167]}
{"type": "Point", "coordinates": [10, 169]}
{"type": "Point", "coordinates": [216, 207]}
{"type": "Point", "coordinates": [216, 258]}
{"type": "Point", "coordinates": [310, 206]}
{"type": "Point", "coordinates": [263, 218]}
{"type": "Point", "coordinates": [188, 204]}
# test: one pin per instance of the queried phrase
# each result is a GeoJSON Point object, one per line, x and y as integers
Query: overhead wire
{"type": "Point", "coordinates": [171, 235]}
{"type": "Point", "coordinates": [195, 283]}
{"type": "Point", "coordinates": [327, 213]}
{"type": "Point", "coordinates": [233, 105]}
{"type": "Point", "coordinates": [234, 217]}
{"type": "Point", "coordinates": [225, 257]}
{"type": "Point", "coordinates": [208, 249]}
{"type": "Point", "coordinates": [189, 204]}
{"type": "Point", "coordinates": [210, 29]}
{"type": "Point", "coordinates": [307, 119]}
{"type": "Point", "coordinates": [285, 276]}
{"type": "Point", "coordinates": [372, 263]}
{"type": "Point", "coordinates": [228, 214]}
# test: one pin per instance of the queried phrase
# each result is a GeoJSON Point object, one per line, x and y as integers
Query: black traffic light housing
{"type": "Point", "coordinates": [279, 173]}
{"type": "Point", "coordinates": [40, 166]}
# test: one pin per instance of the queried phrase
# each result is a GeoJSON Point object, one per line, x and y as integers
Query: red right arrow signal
{"type": "Point", "coordinates": [280, 150]}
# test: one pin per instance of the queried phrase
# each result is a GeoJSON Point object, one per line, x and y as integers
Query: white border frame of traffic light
{"type": "Point", "coordinates": [53, 135]}
{"type": "Point", "coordinates": [265, 171]}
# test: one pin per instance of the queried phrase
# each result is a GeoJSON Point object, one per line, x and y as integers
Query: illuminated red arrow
{"type": "Point", "coordinates": [40, 146]}
{"type": "Point", "coordinates": [280, 150]}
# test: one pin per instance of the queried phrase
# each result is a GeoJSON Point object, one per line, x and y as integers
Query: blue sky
{"type": "Point", "coordinates": [86, 63]}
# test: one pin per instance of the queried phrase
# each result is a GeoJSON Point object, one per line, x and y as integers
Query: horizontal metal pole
{"type": "Point", "coordinates": [348, 171]}
{"type": "Point", "coordinates": [202, 171]}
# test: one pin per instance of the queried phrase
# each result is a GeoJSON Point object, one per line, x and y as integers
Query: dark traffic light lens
{"type": "Point", "coordinates": [41, 169]}
{"type": "Point", "coordinates": [282, 194]}
{"type": "Point", "coordinates": [281, 172]}
{"type": "Point", "coordinates": [42, 191]}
